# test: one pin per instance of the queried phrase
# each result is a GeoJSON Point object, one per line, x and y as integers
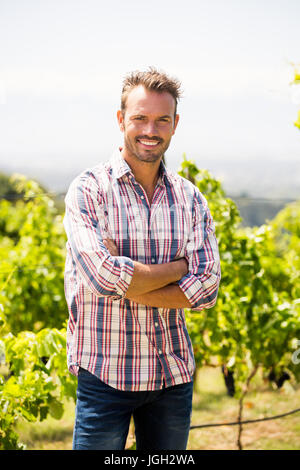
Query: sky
{"type": "Point", "coordinates": [62, 63]}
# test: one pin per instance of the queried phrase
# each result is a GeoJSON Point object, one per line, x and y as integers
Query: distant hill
{"type": "Point", "coordinates": [256, 212]}
{"type": "Point", "coordinates": [254, 178]}
{"type": "Point", "coordinates": [260, 188]}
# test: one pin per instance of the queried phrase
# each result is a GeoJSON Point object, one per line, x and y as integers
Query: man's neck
{"type": "Point", "coordinates": [145, 173]}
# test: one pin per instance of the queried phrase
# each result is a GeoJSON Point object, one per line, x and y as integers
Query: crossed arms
{"type": "Point", "coordinates": [190, 282]}
{"type": "Point", "coordinates": [154, 284]}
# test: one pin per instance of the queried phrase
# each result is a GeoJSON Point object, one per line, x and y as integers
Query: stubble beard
{"type": "Point", "coordinates": [147, 156]}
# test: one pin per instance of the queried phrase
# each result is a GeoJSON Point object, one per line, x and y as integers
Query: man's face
{"type": "Point", "coordinates": [148, 123]}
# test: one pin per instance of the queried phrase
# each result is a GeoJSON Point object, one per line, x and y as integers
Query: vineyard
{"type": "Point", "coordinates": [255, 325]}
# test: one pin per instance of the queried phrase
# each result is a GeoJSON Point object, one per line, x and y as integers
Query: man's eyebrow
{"type": "Point", "coordinates": [159, 117]}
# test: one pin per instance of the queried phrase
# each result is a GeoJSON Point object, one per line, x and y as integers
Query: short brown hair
{"type": "Point", "coordinates": [152, 79]}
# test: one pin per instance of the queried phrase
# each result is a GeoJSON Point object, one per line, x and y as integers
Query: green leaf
{"type": "Point", "coordinates": [56, 408]}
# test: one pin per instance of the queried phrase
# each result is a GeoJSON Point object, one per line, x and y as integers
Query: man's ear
{"type": "Point", "coordinates": [120, 118]}
{"type": "Point", "coordinates": [175, 123]}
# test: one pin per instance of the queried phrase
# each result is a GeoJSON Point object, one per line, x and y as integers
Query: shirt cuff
{"type": "Point", "coordinates": [126, 268]}
{"type": "Point", "coordinates": [192, 288]}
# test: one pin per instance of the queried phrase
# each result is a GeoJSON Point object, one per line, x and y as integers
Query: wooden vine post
{"type": "Point", "coordinates": [241, 404]}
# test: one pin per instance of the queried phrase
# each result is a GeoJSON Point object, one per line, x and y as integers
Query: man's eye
{"type": "Point", "coordinates": [138, 118]}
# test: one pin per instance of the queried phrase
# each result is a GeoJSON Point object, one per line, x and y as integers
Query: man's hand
{"type": "Point", "coordinates": [111, 246]}
{"type": "Point", "coordinates": [183, 266]}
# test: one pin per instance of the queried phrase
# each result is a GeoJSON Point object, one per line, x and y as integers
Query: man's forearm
{"type": "Point", "coordinates": [170, 296]}
{"type": "Point", "coordinates": [150, 277]}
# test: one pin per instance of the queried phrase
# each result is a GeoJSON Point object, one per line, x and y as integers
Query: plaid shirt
{"type": "Point", "coordinates": [127, 345]}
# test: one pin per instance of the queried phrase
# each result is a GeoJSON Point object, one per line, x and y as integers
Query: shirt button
{"type": "Point", "coordinates": [142, 197]}
{"type": "Point", "coordinates": [159, 351]}
{"type": "Point", "coordinates": [153, 260]}
{"type": "Point", "coordinates": [156, 324]}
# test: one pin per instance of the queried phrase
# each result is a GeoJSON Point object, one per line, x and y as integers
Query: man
{"type": "Point", "coordinates": [141, 248]}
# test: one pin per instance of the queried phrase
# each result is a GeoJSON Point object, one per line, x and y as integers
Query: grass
{"type": "Point", "coordinates": [211, 405]}
{"type": "Point", "coordinates": [50, 434]}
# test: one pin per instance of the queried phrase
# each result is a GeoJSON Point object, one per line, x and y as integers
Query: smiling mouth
{"type": "Point", "coordinates": [148, 143]}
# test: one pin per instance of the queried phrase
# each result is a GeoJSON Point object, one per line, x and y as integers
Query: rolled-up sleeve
{"type": "Point", "coordinates": [201, 284]}
{"type": "Point", "coordinates": [104, 275]}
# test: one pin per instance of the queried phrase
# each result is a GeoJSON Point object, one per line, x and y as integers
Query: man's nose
{"type": "Point", "coordinates": [150, 128]}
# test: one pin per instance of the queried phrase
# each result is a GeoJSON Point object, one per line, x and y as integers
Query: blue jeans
{"type": "Point", "coordinates": [161, 418]}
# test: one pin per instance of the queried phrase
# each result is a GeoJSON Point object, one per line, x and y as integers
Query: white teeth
{"type": "Point", "coordinates": [148, 142]}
